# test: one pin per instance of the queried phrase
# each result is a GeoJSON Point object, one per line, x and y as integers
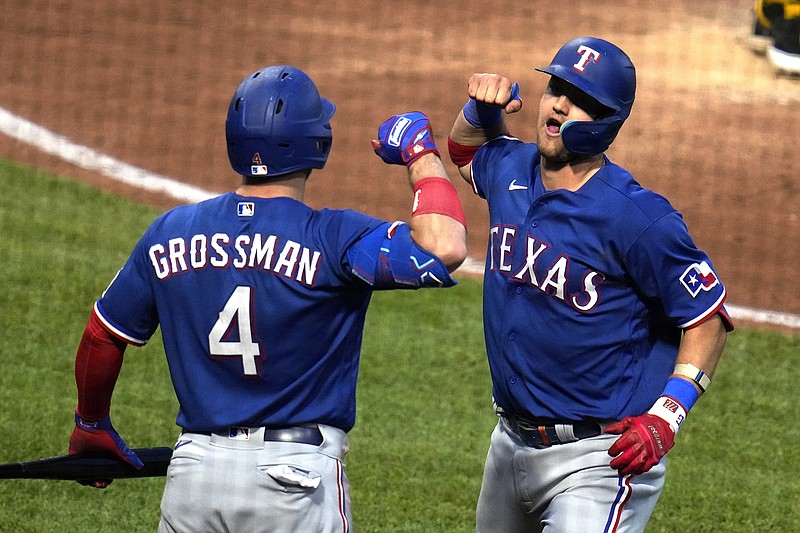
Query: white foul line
{"type": "Point", "coordinates": [84, 157]}
{"type": "Point", "coordinates": [764, 317]}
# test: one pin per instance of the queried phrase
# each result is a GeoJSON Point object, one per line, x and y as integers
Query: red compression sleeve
{"type": "Point", "coordinates": [460, 155]}
{"type": "Point", "coordinates": [97, 366]}
{"type": "Point", "coordinates": [437, 196]}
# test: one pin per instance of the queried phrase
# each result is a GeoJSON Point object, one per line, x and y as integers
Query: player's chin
{"type": "Point", "coordinates": [554, 151]}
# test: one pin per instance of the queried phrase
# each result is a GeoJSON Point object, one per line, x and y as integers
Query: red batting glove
{"type": "Point", "coordinates": [645, 440]}
{"type": "Point", "coordinates": [100, 436]}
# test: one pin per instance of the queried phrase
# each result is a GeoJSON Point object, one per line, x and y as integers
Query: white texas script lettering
{"type": "Point", "coordinates": [551, 275]}
{"type": "Point", "coordinates": [247, 252]}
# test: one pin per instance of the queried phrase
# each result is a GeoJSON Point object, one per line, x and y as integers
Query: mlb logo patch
{"type": "Point", "coordinates": [246, 209]}
{"type": "Point", "coordinates": [259, 170]}
{"type": "Point", "coordinates": [699, 277]}
{"type": "Point", "coordinates": [239, 433]}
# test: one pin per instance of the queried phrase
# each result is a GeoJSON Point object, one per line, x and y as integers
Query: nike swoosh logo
{"type": "Point", "coordinates": [514, 187]}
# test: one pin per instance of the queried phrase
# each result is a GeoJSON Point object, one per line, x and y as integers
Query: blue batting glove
{"type": "Point", "coordinates": [100, 436]}
{"type": "Point", "coordinates": [405, 138]}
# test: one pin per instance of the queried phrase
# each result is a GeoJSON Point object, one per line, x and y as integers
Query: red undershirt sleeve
{"type": "Point", "coordinates": [97, 366]}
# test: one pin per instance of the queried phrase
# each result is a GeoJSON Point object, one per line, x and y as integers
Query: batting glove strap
{"type": "Point", "coordinates": [405, 138]}
{"type": "Point", "coordinates": [100, 436]}
{"type": "Point", "coordinates": [670, 411]}
{"type": "Point", "coordinates": [674, 403]}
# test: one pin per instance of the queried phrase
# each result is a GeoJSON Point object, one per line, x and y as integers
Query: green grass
{"type": "Point", "coordinates": [424, 414]}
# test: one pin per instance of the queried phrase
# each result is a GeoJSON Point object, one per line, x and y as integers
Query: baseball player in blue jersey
{"type": "Point", "coordinates": [603, 321]}
{"type": "Point", "coordinates": [261, 302]}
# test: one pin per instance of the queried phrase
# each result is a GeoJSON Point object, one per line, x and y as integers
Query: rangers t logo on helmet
{"type": "Point", "coordinates": [587, 54]}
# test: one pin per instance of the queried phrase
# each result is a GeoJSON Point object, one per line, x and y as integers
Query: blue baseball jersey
{"type": "Point", "coordinates": [585, 292]}
{"type": "Point", "coordinates": [261, 303]}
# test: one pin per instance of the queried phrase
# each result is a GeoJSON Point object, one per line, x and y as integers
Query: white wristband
{"type": "Point", "coordinates": [700, 378]}
{"type": "Point", "coordinates": [669, 410]}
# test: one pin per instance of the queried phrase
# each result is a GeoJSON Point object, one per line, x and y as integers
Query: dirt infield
{"type": "Point", "coordinates": [148, 83]}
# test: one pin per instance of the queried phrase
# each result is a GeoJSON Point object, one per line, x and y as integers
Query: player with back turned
{"type": "Point", "coordinates": [261, 302]}
{"type": "Point", "coordinates": [603, 320]}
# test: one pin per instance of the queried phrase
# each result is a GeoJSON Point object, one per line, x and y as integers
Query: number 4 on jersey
{"type": "Point", "coordinates": [237, 310]}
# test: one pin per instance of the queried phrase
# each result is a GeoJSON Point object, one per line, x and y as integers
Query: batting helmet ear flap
{"type": "Point", "coordinates": [590, 137]}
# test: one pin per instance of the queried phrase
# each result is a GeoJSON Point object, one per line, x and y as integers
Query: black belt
{"type": "Point", "coordinates": [545, 433]}
{"type": "Point", "coordinates": [298, 434]}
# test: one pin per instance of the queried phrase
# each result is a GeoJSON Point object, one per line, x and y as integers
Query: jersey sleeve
{"type": "Point", "coordinates": [486, 159]}
{"type": "Point", "coordinates": [388, 258]}
{"type": "Point", "coordinates": [127, 308]}
{"type": "Point", "coordinates": [667, 266]}
{"type": "Point", "coordinates": [337, 231]}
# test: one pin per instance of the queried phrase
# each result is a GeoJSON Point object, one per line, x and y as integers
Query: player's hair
{"type": "Point", "coordinates": [604, 72]}
{"type": "Point", "coordinates": [278, 123]}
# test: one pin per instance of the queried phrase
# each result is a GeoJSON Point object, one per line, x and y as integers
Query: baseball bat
{"type": "Point", "coordinates": [89, 466]}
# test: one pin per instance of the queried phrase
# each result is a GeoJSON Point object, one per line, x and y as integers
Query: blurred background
{"type": "Point", "coordinates": [126, 95]}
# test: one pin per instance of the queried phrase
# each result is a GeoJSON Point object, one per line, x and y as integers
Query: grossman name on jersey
{"type": "Point", "coordinates": [178, 256]}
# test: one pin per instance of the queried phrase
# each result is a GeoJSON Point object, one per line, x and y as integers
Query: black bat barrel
{"type": "Point", "coordinates": [90, 466]}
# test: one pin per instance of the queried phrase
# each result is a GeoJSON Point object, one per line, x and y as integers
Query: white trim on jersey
{"type": "Point", "coordinates": [127, 338]}
{"type": "Point", "coordinates": [471, 167]}
{"type": "Point", "coordinates": [709, 312]}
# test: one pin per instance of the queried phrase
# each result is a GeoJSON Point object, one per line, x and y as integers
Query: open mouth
{"type": "Point", "coordinates": [553, 127]}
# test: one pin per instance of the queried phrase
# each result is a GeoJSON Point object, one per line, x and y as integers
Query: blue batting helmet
{"type": "Point", "coordinates": [605, 73]}
{"type": "Point", "coordinates": [278, 123]}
